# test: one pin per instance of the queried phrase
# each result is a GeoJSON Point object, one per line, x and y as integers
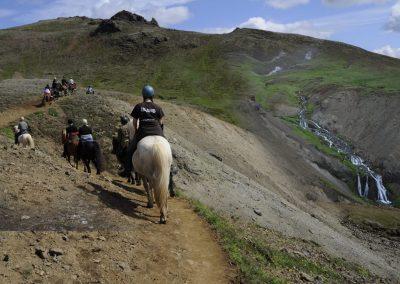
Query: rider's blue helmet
{"type": "Point", "coordinates": [148, 92]}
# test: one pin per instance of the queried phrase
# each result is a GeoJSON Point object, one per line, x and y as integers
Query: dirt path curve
{"type": "Point", "coordinates": [121, 243]}
{"type": "Point", "coordinates": [12, 114]}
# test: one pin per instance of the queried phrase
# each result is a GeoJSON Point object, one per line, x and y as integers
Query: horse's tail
{"type": "Point", "coordinates": [30, 141]}
{"type": "Point", "coordinates": [98, 157]}
{"type": "Point", "coordinates": [160, 177]}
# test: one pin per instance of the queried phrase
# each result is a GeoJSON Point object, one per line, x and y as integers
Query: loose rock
{"type": "Point", "coordinates": [56, 252]}
{"type": "Point", "coordinates": [40, 252]}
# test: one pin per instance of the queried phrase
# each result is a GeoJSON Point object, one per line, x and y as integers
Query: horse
{"type": "Point", "coordinates": [72, 147]}
{"type": "Point", "coordinates": [132, 176]}
{"type": "Point", "coordinates": [91, 152]}
{"type": "Point", "coordinates": [152, 160]}
{"type": "Point", "coordinates": [26, 140]}
{"type": "Point", "coordinates": [47, 98]}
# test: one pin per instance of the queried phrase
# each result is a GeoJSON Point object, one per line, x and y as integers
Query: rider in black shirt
{"type": "Point", "coordinates": [70, 130]}
{"type": "Point", "coordinates": [150, 117]}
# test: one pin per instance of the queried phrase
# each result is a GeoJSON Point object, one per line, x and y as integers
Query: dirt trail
{"type": "Point", "coordinates": [101, 224]}
{"type": "Point", "coordinates": [13, 114]}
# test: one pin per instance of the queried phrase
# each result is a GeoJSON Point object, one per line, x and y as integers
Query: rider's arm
{"type": "Point", "coordinates": [135, 124]}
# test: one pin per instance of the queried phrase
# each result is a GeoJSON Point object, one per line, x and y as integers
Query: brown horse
{"type": "Point", "coordinates": [72, 147]}
{"type": "Point", "coordinates": [47, 98]}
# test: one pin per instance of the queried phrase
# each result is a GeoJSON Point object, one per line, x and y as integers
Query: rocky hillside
{"type": "Point", "coordinates": [247, 178]}
{"type": "Point", "coordinates": [220, 73]}
{"type": "Point", "coordinates": [231, 103]}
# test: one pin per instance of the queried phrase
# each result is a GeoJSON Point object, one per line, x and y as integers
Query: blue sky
{"type": "Point", "coordinates": [370, 24]}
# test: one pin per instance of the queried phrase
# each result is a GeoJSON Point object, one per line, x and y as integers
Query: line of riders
{"type": "Point", "coordinates": [63, 88]}
{"type": "Point", "coordinates": [152, 160]}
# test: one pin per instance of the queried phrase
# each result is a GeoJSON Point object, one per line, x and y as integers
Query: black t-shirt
{"type": "Point", "coordinates": [71, 129]}
{"type": "Point", "coordinates": [149, 115]}
{"type": "Point", "coordinates": [85, 130]}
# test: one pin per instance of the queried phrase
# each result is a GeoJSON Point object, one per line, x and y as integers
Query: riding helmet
{"type": "Point", "coordinates": [124, 119]}
{"type": "Point", "coordinates": [148, 92]}
{"type": "Point", "coordinates": [70, 121]}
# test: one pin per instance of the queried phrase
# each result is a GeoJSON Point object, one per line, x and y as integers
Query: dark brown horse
{"type": "Point", "coordinates": [47, 98]}
{"type": "Point", "coordinates": [72, 147]}
{"type": "Point", "coordinates": [91, 152]}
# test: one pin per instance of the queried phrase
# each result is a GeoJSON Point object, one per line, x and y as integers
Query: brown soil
{"type": "Point", "coordinates": [101, 225]}
{"type": "Point", "coordinates": [223, 166]}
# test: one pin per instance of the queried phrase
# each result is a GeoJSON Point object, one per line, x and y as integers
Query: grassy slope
{"type": "Point", "coordinates": [210, 76]}
{"type": "Point", "coordinates": [263, 256]}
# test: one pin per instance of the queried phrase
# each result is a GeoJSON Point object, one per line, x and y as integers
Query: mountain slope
{"type": "Point", "coordinates": [266, 166]}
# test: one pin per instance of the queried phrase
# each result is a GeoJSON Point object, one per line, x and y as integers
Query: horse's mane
{"type": "Point", "coordinates": [131, 130]}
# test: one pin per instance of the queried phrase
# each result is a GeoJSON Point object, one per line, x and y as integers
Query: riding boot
{"type": "Point", "coordinates": [64, 155]}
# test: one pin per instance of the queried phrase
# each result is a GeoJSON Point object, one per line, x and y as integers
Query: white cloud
{"type": "Point", "coordinates": [394, 20]}
{"type": "Point", "coordinates": [389, 51]}
{"type": "Point", "coordinates": [218, 30]}
{"type": "Point", "coordinates": [285, 4]}
{"type": "Point", "coordinates": [166, 12]}
{"type": "Point", "coordinates": [353, 2]}
{"type": "Point", "coordinates": [300, 27]}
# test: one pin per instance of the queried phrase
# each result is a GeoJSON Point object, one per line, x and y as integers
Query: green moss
{"type": "Point", "coordinates": [8, 132]}
{"type": "Point", "coordinates": [388, 218]}
{"type": "Point", "coordinates": [256, 259]}
{"type": "Point", "coordinates": [52, 112]}
{"type": "Point", "coordinates": [39, 114]}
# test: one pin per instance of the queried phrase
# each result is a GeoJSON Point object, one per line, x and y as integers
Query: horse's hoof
{"type": "Point", "coordinates": [163, 221]}
{"type": "Point", "coordinates": [150, 205]}
{"type": "Point", "coordinates": [138, 183]}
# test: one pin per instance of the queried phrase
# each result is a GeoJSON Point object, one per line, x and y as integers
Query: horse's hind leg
{"type": "Point", "coordinates": [137, 179]}
{"type": "Point", "coordinates": [171, 185]}
{"type": "Point", "coordinates": [163, 214]}
{"type": "Point", "coordinates": [149, 191]}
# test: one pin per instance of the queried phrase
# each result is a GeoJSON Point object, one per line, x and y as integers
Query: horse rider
{"type": "Point", "coordinates": [71, 131]}
{"type": "Point", "coordinates": [85, 132]}
{"type": "Point", "coordinates": [149, 117]}
{"type": "Point", "coordinates": [64, 81]}
{"type": "Point", "coordinates": [89, 90]}
{"type": "Point", "coordinates": [71, 82]}
{"type": "Point", "coordinates": [54, 84]}
{"type": "Point", "coordinates": [23, 126]}
{"type": "Point", "coordinates": [20, 129]}
{"type": "Point", "coordinates": [121, 143]}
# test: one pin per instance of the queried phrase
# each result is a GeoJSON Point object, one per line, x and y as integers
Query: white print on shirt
{"type": "Point", "coordinates": [148, 110]}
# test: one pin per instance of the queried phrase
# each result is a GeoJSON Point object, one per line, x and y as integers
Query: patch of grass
{"type": "Point", "coordinates": [52, 112]}
{"type": "Point", "coordinates": [396, 202]}
{"type": "Point", "coordinates": [8, 132]}
{"type": "Point", "coordinates": [388, 218]}
{"type": "Point", "coordinates": [256, 260]}
{"type": "Point", "coordinates": [39, 114]}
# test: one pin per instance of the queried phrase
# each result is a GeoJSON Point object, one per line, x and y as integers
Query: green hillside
{"type": "Point", "coordinates": [214, 72]}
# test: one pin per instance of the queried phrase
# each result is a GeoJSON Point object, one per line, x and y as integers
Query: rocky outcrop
{"type": "Point", "coordinates": [106, 27]}
{"type": "Point", "coordinates": [133, 18]}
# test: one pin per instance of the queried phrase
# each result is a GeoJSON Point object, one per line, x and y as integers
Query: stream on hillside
{"type": "Point", "coordinates": [341, 146]}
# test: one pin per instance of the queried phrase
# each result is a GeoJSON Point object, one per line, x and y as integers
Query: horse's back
{"type": "Point", "coordinates": [145, 149]}
{"type": "Point", "coordinates": [147, 144]}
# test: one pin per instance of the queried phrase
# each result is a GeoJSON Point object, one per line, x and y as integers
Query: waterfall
{"type": "Point", "coordinates": [359, 186]}
{"type": "Point", "coordinates": [366, 189]}
{"type": "Point", "coordinates": [342, 147]}
{"type": "Point", "coordinates": [275, 70]}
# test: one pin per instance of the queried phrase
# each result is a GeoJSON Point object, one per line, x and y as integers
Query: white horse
{"type": "Point", "coordinates": [26, 140]}
{"type": "Point", "coordinates": [152, 160]}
